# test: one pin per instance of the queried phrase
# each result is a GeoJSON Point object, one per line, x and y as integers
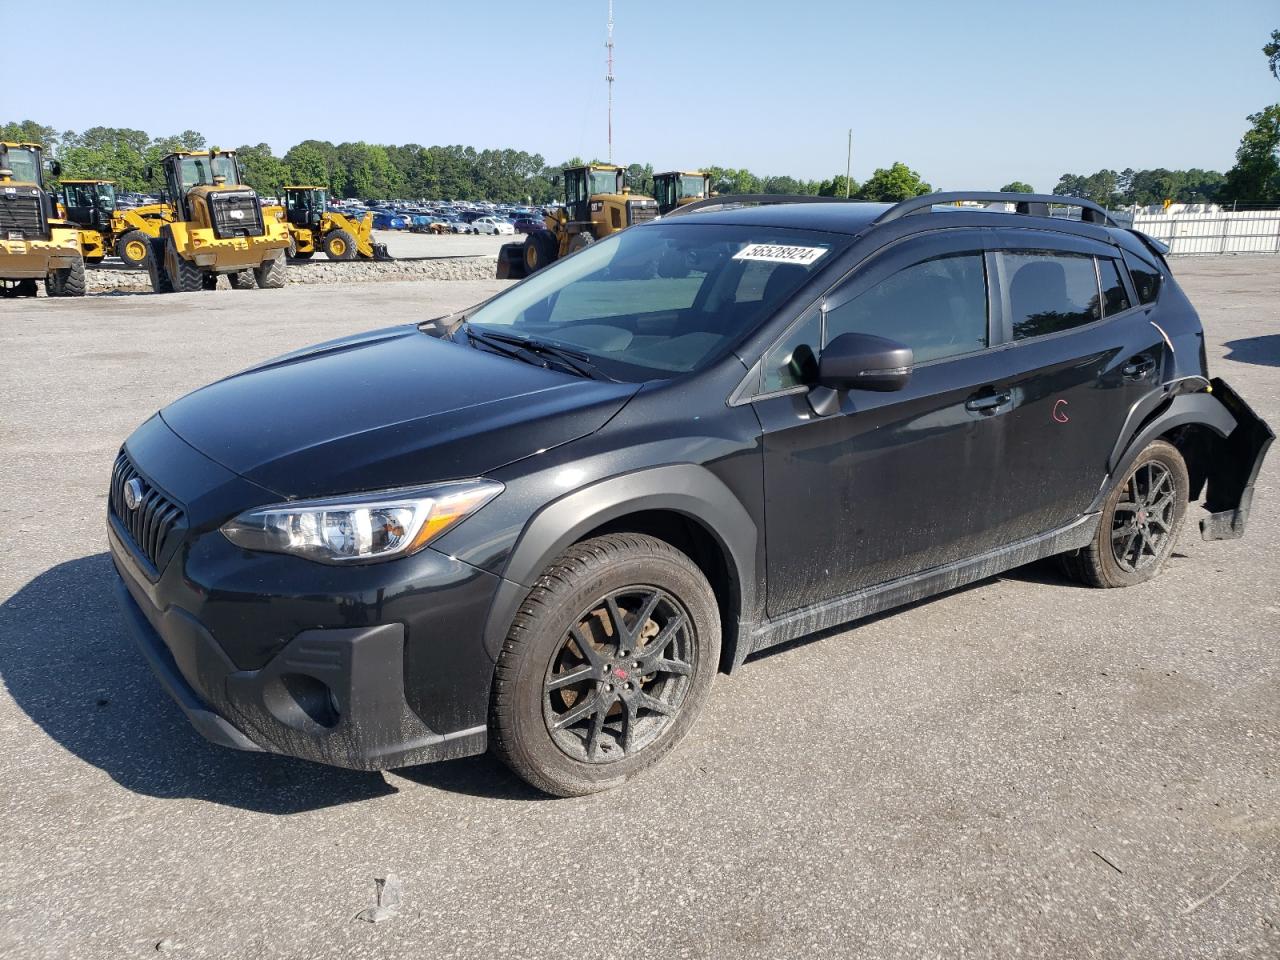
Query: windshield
{"type": "Point", "coordinates": [664, 299]}
{"type": "Point", "coordinates": [692, 187]}
{"type": "Point", "coordinates": [106, 196]}
{"type": "Point", "coordinates": [602, 181]}
{"type": "Point", "coordinates": [25, 164]}
{"type": "Point", "coordinates": [200, 171]}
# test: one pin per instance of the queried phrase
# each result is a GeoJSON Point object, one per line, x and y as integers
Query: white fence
{"type": "Point", "coordinates": [1191, 232]}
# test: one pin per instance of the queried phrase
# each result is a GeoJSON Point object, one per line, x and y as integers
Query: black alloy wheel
{"type": "Point", "coordinates": [621, 674]}
{"type": "Point", "coordinates": [1142, 522]}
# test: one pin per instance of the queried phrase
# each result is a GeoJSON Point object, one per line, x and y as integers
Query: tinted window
{"type": "Point", "coordinates": [793, 361]}
{"type": "Point", "coordinates": [663, 298]}
{"type": "Point", "coordinates": [1146, 278]}
{"type": "Point", "coordinates": [1114, 296]}
{"type": "Point", "coordinates": [937, 307]}
{"type": "Point", "coordinates": [1050, 291]}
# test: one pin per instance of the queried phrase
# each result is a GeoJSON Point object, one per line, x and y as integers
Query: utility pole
{"type": "Point", "coordinates": [848, 160]}
{"type": "Point", "coordinates": [609, 77]}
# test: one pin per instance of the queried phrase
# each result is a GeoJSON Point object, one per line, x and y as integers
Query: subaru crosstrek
{"type": "Point", "coordinates": [542, 525]}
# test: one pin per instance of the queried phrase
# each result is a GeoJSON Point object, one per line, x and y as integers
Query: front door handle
{"type": "Point", "coordinates": [987, 403]}
{"type": "Point", "coordinates": [1138, 367]}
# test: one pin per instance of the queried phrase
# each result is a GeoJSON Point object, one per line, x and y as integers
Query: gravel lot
{"type": "Point", "coordinates": [1023, 767]}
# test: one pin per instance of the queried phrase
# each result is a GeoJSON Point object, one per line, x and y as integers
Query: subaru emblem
{"type": "Point", "coordinates": [133, 493]}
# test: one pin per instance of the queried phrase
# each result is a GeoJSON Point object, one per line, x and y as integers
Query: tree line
{"type": "Point", "coordinates": [131, 158]}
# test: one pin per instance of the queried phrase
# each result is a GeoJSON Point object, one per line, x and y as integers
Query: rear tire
{"type": "Point", "coordinates": [271, 274]}
{"type": "Point", "coordinates": [185, 276]}
{"type": "Point", "coordinates": [635, 621]}
{"type": "Point", "coordinates": [243, 280]}
{"type": "Point", "coordinates": [1141, 519]}
{"type": "Point", "coordinates": [133, 248]}
{"type": "Point", "coordinates": [339, 245]}
{"type": "Point", "coordinates": [66, 281]}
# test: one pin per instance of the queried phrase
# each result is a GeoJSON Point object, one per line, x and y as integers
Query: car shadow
{"type": "Point", "coordinates": [1264, 350]}
{"type": "Point", "coordinates": [67, 661]}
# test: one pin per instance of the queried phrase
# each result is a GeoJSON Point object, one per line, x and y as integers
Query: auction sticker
{"type": "Point", "coordinates": [780, 253]}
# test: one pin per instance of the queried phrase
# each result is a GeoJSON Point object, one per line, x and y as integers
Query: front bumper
{"type": "Point", "coordinates": [333, 696]}
{"type": "Point", "coordinates": [367, 667]}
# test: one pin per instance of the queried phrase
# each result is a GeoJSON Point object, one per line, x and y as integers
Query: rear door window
{"type": "Point", "coordinates": [1114, 296]}
{"type": "Point", "coordinates": [1050, 291]}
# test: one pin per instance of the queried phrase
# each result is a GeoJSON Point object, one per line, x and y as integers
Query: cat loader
{"type": "Point", "coordinates": [597, 203]}
{"type": "Point", "coordinates": [313, 226]}
{"type": "Point", "coordinates": [106, 229]}
{"type": "Point", "coordinates": [34, 244]}
{"type": "Point", "coordinates": [678, 187]}
{"type": "Point", "coordinates": [218, 228]}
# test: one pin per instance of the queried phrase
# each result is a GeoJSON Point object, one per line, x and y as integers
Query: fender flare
{"type": "Point", "coordinates": [686, 489]}
{"type": "Point", "coordinates": [1201, 408]}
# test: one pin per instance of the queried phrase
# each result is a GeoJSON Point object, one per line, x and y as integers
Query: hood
{"type": "Point", "coordinates": [387, 409]}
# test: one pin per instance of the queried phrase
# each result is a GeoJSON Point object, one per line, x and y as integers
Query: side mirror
{"type": "Point", "coordinates": [860, 361]}
{"type": "Point", "coordinates": [148, 173]}
{"type": "Point", "coordinates": [55, 168]}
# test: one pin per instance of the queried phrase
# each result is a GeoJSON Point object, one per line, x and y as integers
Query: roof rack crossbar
{"type": "Point", "coordinates": [762, 199]}
{"type": "Point", "coordinates": [1027, 204]}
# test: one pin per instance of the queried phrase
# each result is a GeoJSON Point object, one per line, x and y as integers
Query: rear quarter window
{"type": "Point", "coordinates": [1147, 279]}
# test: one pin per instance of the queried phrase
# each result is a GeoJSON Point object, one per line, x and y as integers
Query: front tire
{"type": "Point", "coordinates": [606, 666]}
{"type": "Point", "coordinates": [1140, 522]}
{"type": "Point", "coordinates": [132, 248]}
{"type": "Point", "coordinates": [339, 245]}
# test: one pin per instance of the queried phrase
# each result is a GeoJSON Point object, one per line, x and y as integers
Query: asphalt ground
{"type": "Point", "coordinates": [1021, 768]}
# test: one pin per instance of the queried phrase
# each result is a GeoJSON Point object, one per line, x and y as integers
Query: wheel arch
{"type": "Point", "coordinates": [1223, 443]}
{"type": "Point", "coordinates": [684, 505]}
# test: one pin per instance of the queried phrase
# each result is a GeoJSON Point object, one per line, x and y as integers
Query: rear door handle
{"type": "Point", "coordinates": [1138, 367]}
{"type": "Point", "coordinates": [987, 403]}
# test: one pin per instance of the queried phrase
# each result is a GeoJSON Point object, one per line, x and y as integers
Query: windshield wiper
{"type": "Point", "coordinates": [572, 360]}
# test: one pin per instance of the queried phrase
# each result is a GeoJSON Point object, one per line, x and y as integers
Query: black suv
{"type": "Point", "coordinates": [542, 525]}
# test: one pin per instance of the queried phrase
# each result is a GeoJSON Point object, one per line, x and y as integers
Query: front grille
{"type": "Point", "coordinates": [638, 211]}
{"type": "Point", "coordinates": [156, 525]}
{"type": "Point", "coordinates": [235, 213]}
{"type": "Point", "coordinates": [22, 214]}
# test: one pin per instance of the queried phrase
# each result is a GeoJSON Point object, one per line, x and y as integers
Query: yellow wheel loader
{"type": "Point", "coordinates": [597, 203]}
{"type": "Point", "coordinates": [34, 244]}
{"type": "Point", "coordinates": [678, 187]}
{"type": "Point", "coordinates": [313, 226]}
{"type": "Point", "coordinates": [106, 229]}
{"type": "Point", "coordinates": [218, 228]}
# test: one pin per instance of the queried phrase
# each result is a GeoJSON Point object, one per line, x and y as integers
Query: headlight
{"type": "Point", "coordinates": [363, 527]}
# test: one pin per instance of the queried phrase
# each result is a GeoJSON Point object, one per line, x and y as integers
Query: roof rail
{"type": "Point", "coordinates": [762, 199]}
{"type": "Point", "coordinates": [1027, 204]}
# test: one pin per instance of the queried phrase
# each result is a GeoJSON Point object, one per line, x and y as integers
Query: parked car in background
{"type": "Point", "coordinates": [385, 220]}
{"type": "Point", "coordinates": [528, 225]}
{"type": "Point", "coordinates": [493, 226]}
{"type": "Point", "coordinates": [458, 225]}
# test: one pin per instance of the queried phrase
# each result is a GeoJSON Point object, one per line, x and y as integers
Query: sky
{"type": "Point", "coordinates": [970, 93]}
